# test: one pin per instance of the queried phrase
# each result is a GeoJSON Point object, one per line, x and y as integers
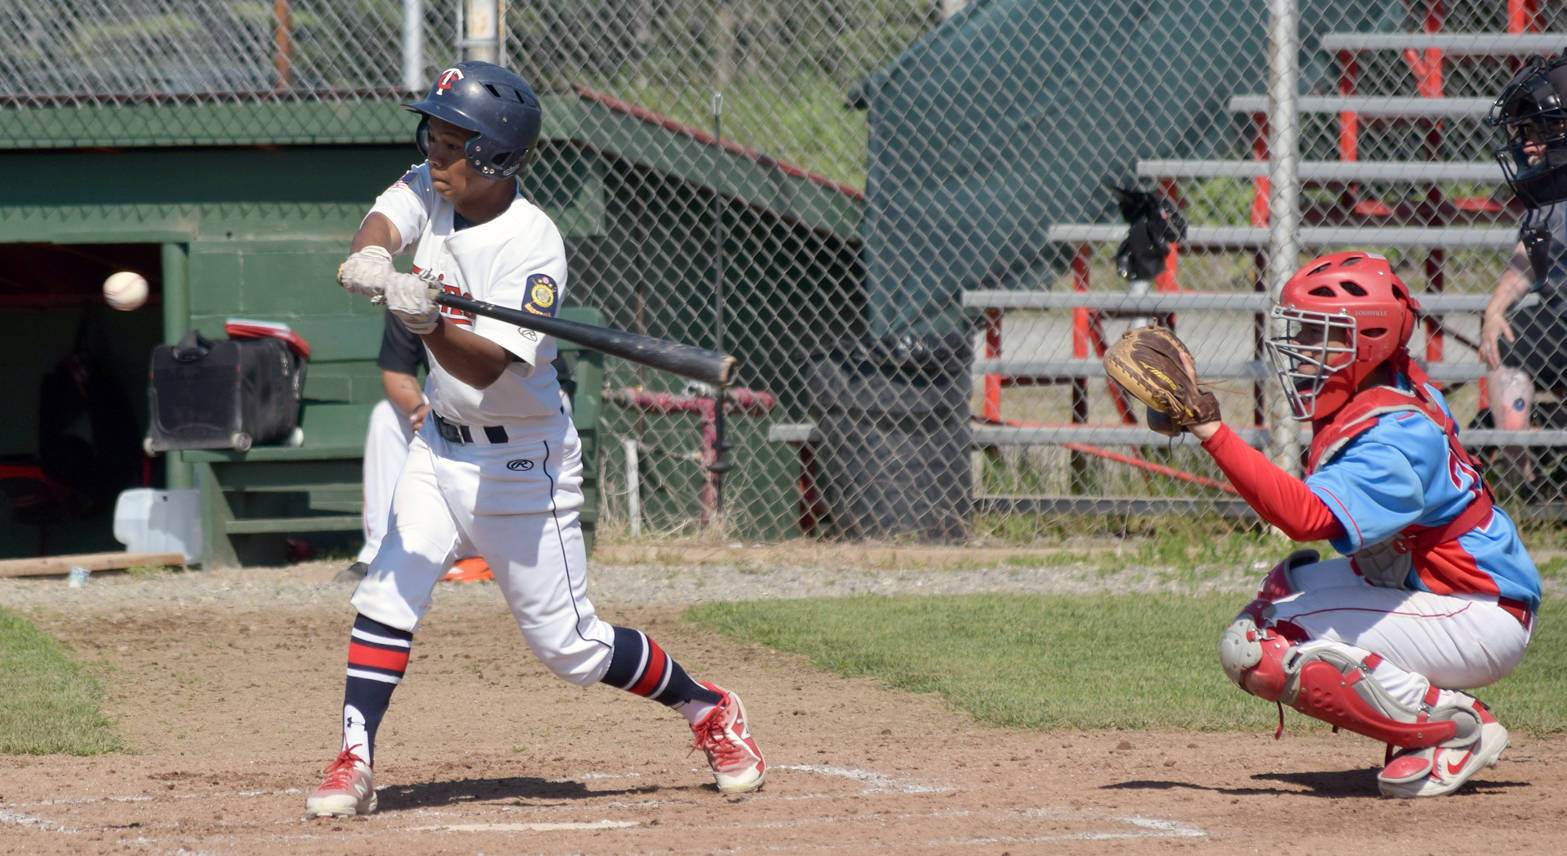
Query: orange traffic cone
{"type": "Point", "coordinates": [468, 570]}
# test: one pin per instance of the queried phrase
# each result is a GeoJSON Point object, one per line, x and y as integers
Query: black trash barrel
{"type": "Point", "coordinates": [893, 420]}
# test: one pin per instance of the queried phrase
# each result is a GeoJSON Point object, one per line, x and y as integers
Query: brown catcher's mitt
{"type": "Point", "coordinates": [1153, 365]}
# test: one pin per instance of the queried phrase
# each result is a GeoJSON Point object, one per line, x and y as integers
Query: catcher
{"type": "Point", "coordinates": [1435, 594]}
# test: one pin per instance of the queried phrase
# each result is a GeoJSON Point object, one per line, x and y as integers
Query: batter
{"type": "Point", "coordinates": [496, 469]}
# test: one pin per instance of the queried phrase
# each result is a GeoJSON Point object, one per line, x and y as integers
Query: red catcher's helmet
{"type": "Point", "coordinates": [1344, 314]}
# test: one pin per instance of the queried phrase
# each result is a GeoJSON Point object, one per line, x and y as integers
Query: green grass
{"type": "Point", "coordinates": [1078, 663]}
{"type": "Point", "coordinates": [47, 704]}
{"type": "Point", "coordinates": [1038, 662]}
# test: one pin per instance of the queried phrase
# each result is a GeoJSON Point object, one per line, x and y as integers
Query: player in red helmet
{"type": "Point", "coordinates": [1434, 593]}
{"type": "Point", "coordinates": [1346, 316]}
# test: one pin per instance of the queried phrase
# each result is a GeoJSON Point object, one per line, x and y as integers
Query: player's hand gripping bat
{"type": "Point", "coordinates": [675, 357]}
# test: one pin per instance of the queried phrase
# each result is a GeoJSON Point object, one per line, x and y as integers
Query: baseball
{"type": "Point", "coordinates": [125, 290]}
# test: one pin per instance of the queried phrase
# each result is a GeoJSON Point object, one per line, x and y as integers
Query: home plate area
{"type": "Point", "coordinates": [805, 808]}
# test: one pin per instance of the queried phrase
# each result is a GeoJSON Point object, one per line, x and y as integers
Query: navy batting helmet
{"type": "Point", "coordinates": [497, 106]}
{"type": "Point", "coordinates": [1531, 118]}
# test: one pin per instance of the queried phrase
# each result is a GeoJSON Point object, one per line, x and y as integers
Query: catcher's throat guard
{"type": "Point", "coordinates": [1327, 684]}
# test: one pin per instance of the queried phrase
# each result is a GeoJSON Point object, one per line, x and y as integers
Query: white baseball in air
{"type": "Point", "coordinates": [125, 290]}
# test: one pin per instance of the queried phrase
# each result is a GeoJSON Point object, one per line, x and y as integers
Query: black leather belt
{"type": "Point", "coordinates": [454, 432]}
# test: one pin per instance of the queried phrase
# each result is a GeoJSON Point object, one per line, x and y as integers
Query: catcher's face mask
{"type": "Point", "coordinates": [1530, 117]}
{"type": "Point", "coordinates": [1312, 348]}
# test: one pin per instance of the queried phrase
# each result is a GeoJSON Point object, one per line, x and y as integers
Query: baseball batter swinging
{"type": "Point", "coordinates": [496, 470]}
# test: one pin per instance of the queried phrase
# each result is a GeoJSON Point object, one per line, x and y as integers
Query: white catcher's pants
{"type": "Point", "coordinates": [516, 505]}
{"type": "Point", "coordinates": [386, 448]}
{"type": "Point", "coordinates": [1452, 641]}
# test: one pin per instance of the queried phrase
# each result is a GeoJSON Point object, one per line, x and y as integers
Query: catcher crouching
{"type": "Point", "coordinates": [1434, 593]}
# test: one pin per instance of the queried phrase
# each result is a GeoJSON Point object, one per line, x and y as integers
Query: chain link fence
{"type": "Point", "coordinates": [910, 235]}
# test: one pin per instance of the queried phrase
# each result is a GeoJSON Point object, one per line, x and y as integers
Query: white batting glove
{"type": "Point", "coordinates": [366, 271]}
{"type": "Point", "coordinates": [409, 297]}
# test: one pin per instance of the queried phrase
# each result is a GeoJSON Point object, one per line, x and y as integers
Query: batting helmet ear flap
{"type": "Point", "coordinates": [422, 136]}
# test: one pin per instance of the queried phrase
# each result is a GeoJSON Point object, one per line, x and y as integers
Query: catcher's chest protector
{"type": "Point", "coordinates": [1359, 416]}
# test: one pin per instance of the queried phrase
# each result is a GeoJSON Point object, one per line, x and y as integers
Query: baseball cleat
{"type": "Point", "coordinates": [349, 788]}
{"type": "Point", "coordinates": [1435, 770]}
{"type": "Point", "coordinates": [352, 574]}
{"type": "Point", "coordinates": [722, 734]}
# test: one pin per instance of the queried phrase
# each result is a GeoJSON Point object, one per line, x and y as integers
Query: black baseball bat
{"type": "Point", "coordinates": [675, 357]}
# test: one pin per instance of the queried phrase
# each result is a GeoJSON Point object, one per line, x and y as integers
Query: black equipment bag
{"type": "Point", "coordinates": [224, 394]}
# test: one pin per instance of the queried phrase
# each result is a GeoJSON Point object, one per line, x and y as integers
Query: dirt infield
{"type": "Point", "coordinates": [231, 706]}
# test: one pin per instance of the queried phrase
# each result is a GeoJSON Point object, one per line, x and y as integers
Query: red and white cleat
{"type": "Point", "coordinates": [722, 734]}
{"type": "Point", "coordinates": [349, 788]}
{"type": "Point", "coordinates": [1435, 770]}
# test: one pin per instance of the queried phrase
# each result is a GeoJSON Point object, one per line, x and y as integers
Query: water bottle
{"type": "Point", "coordinates": [77, 577]}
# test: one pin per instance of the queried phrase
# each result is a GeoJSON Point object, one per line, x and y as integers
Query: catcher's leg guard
{"type": "Point", "coordinates": [1329, 685]}
{"type": "Point", "coordinates": [1280, 581]}
{"type": "Point", "coordinates": [1278, 584]}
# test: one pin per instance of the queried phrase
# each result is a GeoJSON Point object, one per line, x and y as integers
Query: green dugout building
{"type": "Point", "coordinates": [245, 209]}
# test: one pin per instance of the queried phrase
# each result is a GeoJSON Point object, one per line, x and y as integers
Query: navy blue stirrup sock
{"type": "Point", "coordinates": [639, 666]}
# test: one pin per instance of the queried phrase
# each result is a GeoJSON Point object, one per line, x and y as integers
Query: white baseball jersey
{"type": "Point", "coordinates": [516, 260]}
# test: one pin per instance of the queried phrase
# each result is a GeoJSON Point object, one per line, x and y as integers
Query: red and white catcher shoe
{"type": "Point", "coordinates": [1434, 770]}
{"type": "Point", "coordinates": [722, 734]}
{"type": "Point", "coordinates": [349, 788]}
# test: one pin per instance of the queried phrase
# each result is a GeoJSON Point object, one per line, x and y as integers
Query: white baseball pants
{"type": "Point", "coordinates": [386, 448]}
{"type": "Point", "coordinates": [516, 505]}
{"type": "Point", "coordinates": [1452, 641]}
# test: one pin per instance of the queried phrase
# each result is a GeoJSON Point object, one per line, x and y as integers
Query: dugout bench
{"type": "Point", "coordinates": [272, 492]}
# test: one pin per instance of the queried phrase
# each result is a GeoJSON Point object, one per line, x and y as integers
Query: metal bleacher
{"type": "Point", "coordinates": [1424, 229]}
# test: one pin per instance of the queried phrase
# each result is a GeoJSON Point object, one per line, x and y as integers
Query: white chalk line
{"type": "Point", "coordinates": [874, 783]}
{"type": "Point", "coordinates": [542, 826]}
{"type": "Point", "coordinates": [43, 824]}
{"type": "Point", "coordinates": [134, 798]}
{"type": "Point", "coordinates": [1147, 827]}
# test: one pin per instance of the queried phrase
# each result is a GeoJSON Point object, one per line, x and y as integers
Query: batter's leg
{"type": "Point", "coordinates": [391, 600]}
{"type": "Point", "coordinates": [540, 563]}
{"type": "Point", "coordinates": [386, 447]}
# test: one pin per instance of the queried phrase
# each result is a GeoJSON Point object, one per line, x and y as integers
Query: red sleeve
{"type": "Point", "coordinates": [1278, 497]}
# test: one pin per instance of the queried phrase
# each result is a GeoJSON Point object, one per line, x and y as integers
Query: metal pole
{"type": "Point", "coordinates": [633, 485]}
{"type": "Point", "coordinates": [413, 46]}
{"type": "Point", "coordinates": [721, 444]}
{"type": "Point", "coordinates": [174, 269]}
{"type": "Point", "coordinates": [283, 44]}
{"type": "Point", "coordinates": [718, 229]}
{"type": "Point", "coordinates": [479, 36]}
{"type": "Point", "coordinates": [1283, 202]}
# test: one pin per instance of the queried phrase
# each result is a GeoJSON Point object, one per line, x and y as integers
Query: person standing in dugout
{"type": "Point", "coordinates": [496, 468]}
{"type": "Point", "coordinates": [1435, 593]}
